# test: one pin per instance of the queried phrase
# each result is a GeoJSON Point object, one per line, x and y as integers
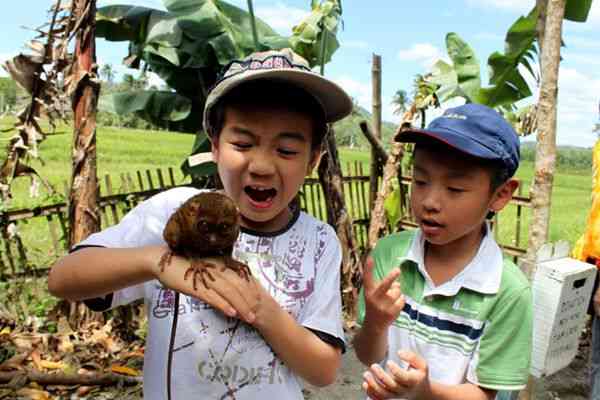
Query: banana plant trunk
{"type": "Point", "coordinates": [83, 197]}
{"type": "Point", "coordinates": [330, 176]}
{"type": "Point", "coordinates": [549, 35]}
{"type": "Point", "coordinates": [392, 170]}
{"type": "Point", "coordinates": [545, 157]}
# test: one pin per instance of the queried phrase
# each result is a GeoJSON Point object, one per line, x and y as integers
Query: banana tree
{"type": "Point", "coordinates": [189, 44]}
{"type": "Point", "coordinates": [507, 85]}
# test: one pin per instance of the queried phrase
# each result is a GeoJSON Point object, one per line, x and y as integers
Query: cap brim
{"type": "Point", "coordinates": [335, 101]}
{"type": "Point", "coordinates": [449, 138]}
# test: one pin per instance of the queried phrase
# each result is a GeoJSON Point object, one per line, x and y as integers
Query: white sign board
{"type": "Point", "coordinates": [562, 288]}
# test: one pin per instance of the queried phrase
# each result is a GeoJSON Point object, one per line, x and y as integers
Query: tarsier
{"type": "Point", "coordinates": [206, 225]}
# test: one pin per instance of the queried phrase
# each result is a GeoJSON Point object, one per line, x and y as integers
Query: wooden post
{"type": "Point", "coordinates": [375, 160]}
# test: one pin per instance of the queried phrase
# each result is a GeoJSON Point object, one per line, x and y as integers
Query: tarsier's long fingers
{"type": "Point", "coordinates": [199, 268]}
{"type": "Point", "coordinates": [165, 260]}
{"type": "Point", "coordinates": [242, 269]}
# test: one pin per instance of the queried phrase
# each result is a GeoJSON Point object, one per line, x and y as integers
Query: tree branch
{"type": "Point", "coordinates": [94, 379]}
{"type": "Point", "coordinates": [374, 141]}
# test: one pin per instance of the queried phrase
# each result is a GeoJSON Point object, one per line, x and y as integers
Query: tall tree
{"type": "Point", "coordinates": [400, 102]}
{"type": "Point", "coordinates": [107, 73]}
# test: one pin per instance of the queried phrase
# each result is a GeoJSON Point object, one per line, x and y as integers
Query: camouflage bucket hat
{"type": "Point", "coordinates": [286, 66]}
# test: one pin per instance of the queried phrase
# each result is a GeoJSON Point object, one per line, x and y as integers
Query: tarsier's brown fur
{"type": "Point", "coordinates": [206, 225]}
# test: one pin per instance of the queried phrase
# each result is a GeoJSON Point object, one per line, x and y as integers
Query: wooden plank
{"type": "Point", "coordinates": [161, 181]}
{"type": "Point", "coordinates": [64, 227]}
{"type": "Point", "coordinates": [140, 181]}
{"type": "Point", "coordinates": [8, 250]}
{"type": "Point", "coordinates": [21, 250]}
{"type": "Point", "coordinates": [320, 204]}
{"type": "Point", "coordinates": [103, 217]}
{"type": "Point", "coordinates": [113, 207]}
{"type": "Point", "coordinates": [518, 219]}
{"type": "Point", "coordinates": [124, 183]}
{"type": "Point", "coordinates": [53, 233]}
{"type": "Point", "coordinates": [365, 209]}
{"type": "Point", "coordinates": [131, 184]}
{"type": "Point", "coordinates": [172, 176]}
{"type": "Point", "coordinates": [313, 211]}
{"type": "Point", "coordinates": [302, 194]}
{"type": "Point", "coordinates": [3, 272]}
{"type": "Point", "coordinates": [149, 178]}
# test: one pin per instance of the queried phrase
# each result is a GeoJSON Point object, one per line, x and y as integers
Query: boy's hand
{"type": "Point", "coordinates": [411, 383]}
{"type": "Point", "coordinates": [384, 300]}
{"type": "Point", "coordinates": [228, 292]}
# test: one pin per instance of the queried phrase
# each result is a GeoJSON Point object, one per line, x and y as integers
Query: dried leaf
{"type": "Point", "coordinates": [37, 359]}
{"type": "Point", "coordinates": [63, 327]}
{"type": "Point", "coordinates": [34, 394]}
{"type": "Point", "coordinates": [15, 362]}
{"type": "Point", "coordinates": [121, 369]}
{"type": "Point", "coordinates": [52, 364]}
{"type": "Point", "coordinates": [38, 50]}
{"type": "Point", "coordinates": [23, 69]}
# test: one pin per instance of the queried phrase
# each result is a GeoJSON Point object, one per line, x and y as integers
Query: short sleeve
{"type": "Point", "coordinates": [323, 310]}
{"type": "Point", "coordinates": [142, 226]}
{"type": "Point", "coordinates": [503, 356]}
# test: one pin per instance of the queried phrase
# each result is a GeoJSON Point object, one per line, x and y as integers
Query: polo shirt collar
{"type": "Point", "coordinates": [483, 273]}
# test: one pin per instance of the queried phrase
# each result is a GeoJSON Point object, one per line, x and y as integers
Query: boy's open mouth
{"type": "Point", "coordinates": [431, 223]}
{"type": "Point", "coordinates": [259, 194]}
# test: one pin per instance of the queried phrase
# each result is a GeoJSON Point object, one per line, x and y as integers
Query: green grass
{"type": "Point", "coordinates": [128, 151]}
{"type": "Point", "coordinates": [571, 202]}
{"type": "Point", "coordinates": [118, 151]}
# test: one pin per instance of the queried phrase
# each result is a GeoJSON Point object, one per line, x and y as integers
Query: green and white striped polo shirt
{"type": "Point", "coordinates": [475, 328]}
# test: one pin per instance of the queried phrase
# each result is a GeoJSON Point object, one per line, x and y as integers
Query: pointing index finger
{"type": "Point", "coordinates": [386, 283]}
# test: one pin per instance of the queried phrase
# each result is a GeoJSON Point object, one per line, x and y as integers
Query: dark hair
{"type": "Point", "coordinates": [270, 93]}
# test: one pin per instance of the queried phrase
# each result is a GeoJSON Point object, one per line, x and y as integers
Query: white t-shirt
{"type": "Point", "coordinates": [299, 266]}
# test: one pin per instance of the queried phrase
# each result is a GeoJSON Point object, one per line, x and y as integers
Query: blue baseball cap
{"type": "Point", "coordinates": [474, 129]}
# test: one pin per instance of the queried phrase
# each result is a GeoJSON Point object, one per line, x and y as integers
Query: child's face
{"type": "Point", "coordinates": [451, 195]}
{"type": "Point", "coordinates": [262, 156]}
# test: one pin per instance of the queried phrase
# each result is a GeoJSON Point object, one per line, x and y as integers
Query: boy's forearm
{"type": "Point", "coordinates": [370, 343]}
{"type": "Point", "coordinates": [96, 271]}
{"type": "Point", "coordinates": [300, 349]}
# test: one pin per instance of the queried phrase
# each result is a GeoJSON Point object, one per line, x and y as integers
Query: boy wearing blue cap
{"type": "Point", "coordinates": [460, 318]}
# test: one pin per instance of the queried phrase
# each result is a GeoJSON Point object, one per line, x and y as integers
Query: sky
{"type": "Point", "coordinates": [409, 37]}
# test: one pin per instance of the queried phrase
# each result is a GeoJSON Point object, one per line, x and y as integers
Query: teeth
{"type": "Point", "coordinates": [259, 188]}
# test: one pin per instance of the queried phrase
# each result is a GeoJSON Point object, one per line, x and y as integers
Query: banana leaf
{"type": "Point", "coordinates": [160, 105]}
{"type": "Point", "coordinates": [443, 75]}
{"type": "Point", "coordinates": [393, 207]}
{"type": "Point", "coordinates": [466, 66]}
{"type": "Point", "coordinates": [578, 10]}
{"type": "Point", "coordinates": [188, 45]}
{"type": "Point", "coordinates": [201, 145]}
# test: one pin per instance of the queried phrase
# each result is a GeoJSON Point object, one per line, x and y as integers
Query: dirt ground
{"type": "Point", "coordinates": [570, 383]}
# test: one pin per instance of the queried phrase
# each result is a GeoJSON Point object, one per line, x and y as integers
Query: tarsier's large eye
{"type": "Point", "coordinates": [223, 227]}
{"type": "Point", "coordinates": [202, 225]}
